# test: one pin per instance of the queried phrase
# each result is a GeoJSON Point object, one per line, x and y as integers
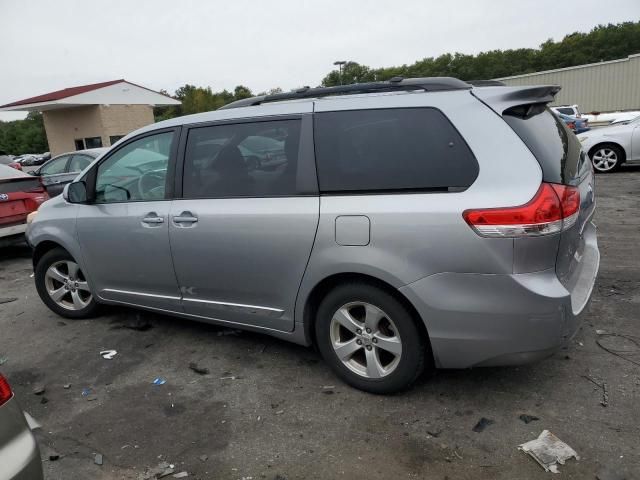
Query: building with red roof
{"type": "Point", "coordinates": [95, 115]}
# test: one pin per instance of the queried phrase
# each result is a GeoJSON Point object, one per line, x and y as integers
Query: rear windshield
{"type": "Point", "coordinates": [391, 150]}
{"type": "Point", "coordinates": [556, 148]}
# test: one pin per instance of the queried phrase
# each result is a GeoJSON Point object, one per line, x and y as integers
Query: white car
{"type": "Point", "coordinates": [571, 110]}
{"type": "Point", "coordinates": [609, 147]}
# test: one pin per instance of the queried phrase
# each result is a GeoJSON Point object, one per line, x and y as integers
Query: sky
{"type": "Point", "coordinates": [163, 44]}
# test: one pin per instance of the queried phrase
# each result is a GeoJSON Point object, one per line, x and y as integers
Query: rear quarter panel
{"type": "Point", "coordinates": [416, 235]}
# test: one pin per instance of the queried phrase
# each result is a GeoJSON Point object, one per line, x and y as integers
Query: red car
{"type": "Point", "coordinates": [15, 165]}
{"type": "Point", "coordinates": [20, 194]}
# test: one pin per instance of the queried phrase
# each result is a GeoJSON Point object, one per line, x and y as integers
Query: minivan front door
{"type": "Point", "coordinates": [123, 233]}
{"type": "Point", "coordinates": [242, 233]}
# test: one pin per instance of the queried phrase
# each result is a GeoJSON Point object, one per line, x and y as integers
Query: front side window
{"type": "Point", "coordinates": [242, 160]}
{"type": "Point", "coordinates": [135, 172]}
{"type": "Point", "coordinates": [55, 166]}
{"type": "Point", "coordinates": [79, 163]}
{"type": "Point", "coordinates": [408, 149]}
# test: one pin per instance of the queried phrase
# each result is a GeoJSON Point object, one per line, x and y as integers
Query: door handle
{"type": "Point", "coordinates": [185, 217]}
{"type": "Point", "coordinates": [151, 219]}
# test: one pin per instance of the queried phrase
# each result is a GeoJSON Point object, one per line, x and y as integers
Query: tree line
{"type": "Point", "coordinates": [602, 43]}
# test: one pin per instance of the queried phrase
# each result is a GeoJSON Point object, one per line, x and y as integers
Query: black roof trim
{"type": "Point", "coordinates": [430, 84]}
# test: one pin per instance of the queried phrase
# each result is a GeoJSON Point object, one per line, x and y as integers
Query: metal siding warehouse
{"type": "Point", "coordinates": [595, 87]}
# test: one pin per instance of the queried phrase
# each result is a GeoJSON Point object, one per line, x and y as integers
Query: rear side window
{"type": "Point", "coordinates": [411, 149]}
{"type": "Point", "coordinates": [566, 110]}
{"type": "Point", "coordinates": [242, 160]}
{"type": "Point", "coordinates": [555, 147]}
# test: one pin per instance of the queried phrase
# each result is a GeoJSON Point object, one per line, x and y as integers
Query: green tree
{"type": "Point", "coordinates": [24, 136]}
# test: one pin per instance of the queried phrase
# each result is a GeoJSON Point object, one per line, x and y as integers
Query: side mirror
{"type": "Point", "coordinates": [75, 192]}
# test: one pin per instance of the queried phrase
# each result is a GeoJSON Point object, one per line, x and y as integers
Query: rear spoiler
{"type": "Point", "coordinates": [500, 99]}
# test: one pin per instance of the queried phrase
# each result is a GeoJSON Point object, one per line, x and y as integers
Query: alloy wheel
{"type": "Point", "coordinates": [605, 159]}
{"type": "Point", "coordinates": [365, 340]}
{"type": "Point", "coordinates": [67, 286]}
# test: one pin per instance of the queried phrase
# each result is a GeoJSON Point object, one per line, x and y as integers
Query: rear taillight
{"type": "Point", "coordinates": [553, 208]}
{"type": "Point", "coordinates": [571, 125]}
{"type": "Point", "coordinates": [5, 391]}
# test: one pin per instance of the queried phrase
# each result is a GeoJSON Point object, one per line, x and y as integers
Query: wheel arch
{"type": "Point", "coordinates": [611, 144]}
{"type": "Point", "coordinates": [324, 286]}
{"type": "Point", "coordinates": [42, 248]}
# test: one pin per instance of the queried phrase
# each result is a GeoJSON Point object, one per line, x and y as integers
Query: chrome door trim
{"type": "Point", "coordinates": [240, 307]}
{"type": "Point", "coordinates": [140, 294]}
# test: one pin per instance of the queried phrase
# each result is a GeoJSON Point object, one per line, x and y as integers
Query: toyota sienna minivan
{"type": "Point", "coordinates": [396, 226]}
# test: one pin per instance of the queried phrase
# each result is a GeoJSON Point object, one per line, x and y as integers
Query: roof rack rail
{"type": "Point", "coordinates": [486, 83]}
{"type": "Point", "coordinates": [395, 84]}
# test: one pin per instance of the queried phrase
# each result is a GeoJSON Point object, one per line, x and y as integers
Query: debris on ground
{"type": "Point", "coordinates": [159, 381]}
{"type": "Point", "coordinates": [66, 386]}
{"type": "Point", "coordinates": [199, 370]}
{"type": "Point", "coordinates": [482, 424]}
{"type": "Point", "coordinates": [605, 389]}
{"type": "Point", "coordinates": [97, 458]}
{"type": "Point", "coordinates": [548, 450]}
{"type": "Point", "coordinates": [89, 394]}
{"type": "Point", "coordinates": [31, 422]}
{"type": "Point", "coordinates": [38, 389]}
{"type": "Point", "coordinates": [8, 300]}
{"type": "Point", "coordinates": [159, 471]}
{"type": "Point", "coordinates": [229, 331]}
{"type": "Point", "coordinates": [203, 458]}
{"type": "Point", "coordinates": [44, 400]}
{"type": "Point", "coordinates": [180, 475]}
{"type": "Point", "coordinates": [54, 458]}
{"type": "Point", "coordinates": [231, 377]}
{"type": "Point", "coordinates": [528, 418]}
{"type": "Point", "coordinates": [434, 433]}
{"type": "Point", "coordinates": [3, 360]}
{"type": "Point", "coordinates": [108, 354]}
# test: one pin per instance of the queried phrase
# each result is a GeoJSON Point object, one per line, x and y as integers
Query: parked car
{"type": "Point", "coordinates": [60, 170]}
{"type": "Point", "coordinates": [577, 125]}
{"type": "Point", "coordinates": [26, 160]}
{"type": "Point", "coordinates": [609, 147]}
{"type": "Point", "coordinates": [10, 161]}
{"type": "Point", "coordinates": [571, 110]}
{"type": "Point", "coordinates": [19, 452]}
{"type": "Point", "coordinates": [20, 194]}
{"type": "Point", "coordinates": [443, 226]}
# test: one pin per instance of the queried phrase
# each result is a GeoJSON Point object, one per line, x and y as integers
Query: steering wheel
{"type": "Point", "coordinates": [151, 184]}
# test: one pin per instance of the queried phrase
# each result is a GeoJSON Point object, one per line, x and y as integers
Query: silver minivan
{"type": "Point", "coordinates": [396, 226]}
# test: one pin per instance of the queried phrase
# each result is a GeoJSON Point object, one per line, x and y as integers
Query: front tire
{"type": "Point", "coordinates": [369, 338]}
{"type": "Point", "coordinates": [63, 287]}
{"type": "Point", "coordinates": [606, 158]}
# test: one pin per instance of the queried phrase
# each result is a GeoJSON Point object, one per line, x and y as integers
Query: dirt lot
{"type": "Point", "coordinates": [272, 410]}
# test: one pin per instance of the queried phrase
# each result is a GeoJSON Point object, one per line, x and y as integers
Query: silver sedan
{"type": "Point", "coordinates": [611, 146]}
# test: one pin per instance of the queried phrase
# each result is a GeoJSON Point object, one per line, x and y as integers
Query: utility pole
{"type": "Point", "coordinates": [340, 63]}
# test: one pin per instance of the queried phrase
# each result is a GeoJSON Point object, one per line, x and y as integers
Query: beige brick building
{"type": "Point", "coordinates": [91, 116]}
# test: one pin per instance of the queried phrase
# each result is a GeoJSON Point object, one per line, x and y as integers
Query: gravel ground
{"type": "Point", "coordinates": [269, 409]}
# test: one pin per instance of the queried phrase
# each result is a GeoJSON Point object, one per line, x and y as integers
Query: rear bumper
{"type": "Point", "coordinates": [19, 453]}
{"type": "Point", "coordinates": [13, 230]}
{"type": "Point", "coordinates": [483, 320]}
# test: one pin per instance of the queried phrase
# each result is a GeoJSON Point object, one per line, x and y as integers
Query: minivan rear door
{"type": "Point", "coordinates": [242, 231]}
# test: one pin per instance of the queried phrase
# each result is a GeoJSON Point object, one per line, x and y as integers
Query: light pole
{"type": "Point", "coordinates": [340, 63]}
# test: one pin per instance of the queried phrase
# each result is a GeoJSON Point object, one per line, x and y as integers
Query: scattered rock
{"type": "Point", "coordinates": [434, 433]}
{"type": "Point", "coordinates": [528, 418]}
{"type": "Point", "coordinates": [97, 459]}
{"type": "Point", "coordinates": [66, 386]}
{"type": "Point", "coordinates": [44, 400]}
{"type": "Point", "coordinates": [54, 458]}
{"type": "Point", "coordinates": [199, 370]}
{"type": "Point", "coordinates": [38, 389]}
{"type": "Point", "coordinates": [203, 458]}
{"type": "Point", "coordinates": [61, 323]}
{"type": "Point", "coordinates": [180, 475]}
{"type": "Point", "coordinates": [328, 392]}
{"type": "Point", "coordinates": [8, 300]}
{"type": "Point", "coordinates": [482, 424]}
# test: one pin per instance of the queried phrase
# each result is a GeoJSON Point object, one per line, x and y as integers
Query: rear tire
{"type": "Point", "coordinates": [606, 158]}
{"type": "Point", "coordinates": [369, 338]}
{"type": "Point", "coordinates": [63, 287]}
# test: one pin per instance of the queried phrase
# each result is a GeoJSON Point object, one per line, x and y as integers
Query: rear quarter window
{"type": "Point", "coordinates": [556, 148]}
{"type": "Point", "coordinates": [387, 150]}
